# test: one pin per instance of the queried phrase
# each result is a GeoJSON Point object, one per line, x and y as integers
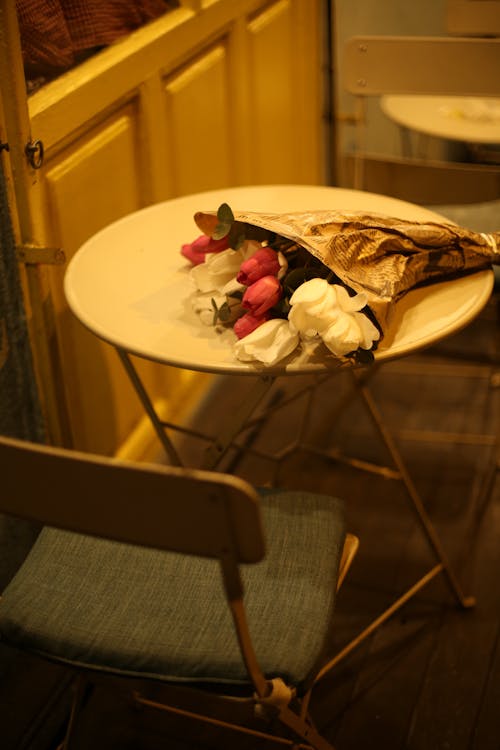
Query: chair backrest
{"type": "Point", "coordinates": [183, 510]}
{"type": "Point", "coordinates": [464, 66]}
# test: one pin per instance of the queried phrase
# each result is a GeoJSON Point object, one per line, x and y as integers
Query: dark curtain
{"type": "Point", "coordinates": [20, 414]}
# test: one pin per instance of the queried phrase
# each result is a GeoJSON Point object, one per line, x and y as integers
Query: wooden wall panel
{"type": "Point", "coordinates": [94, 180]}
{"type": "Point", "coordinates": [272, 95]}
{"type": "Point", "coordinates": [88, 184]}
{"type": "Point", "coordinates": [198, 121]}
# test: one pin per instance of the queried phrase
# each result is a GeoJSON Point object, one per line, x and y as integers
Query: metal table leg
{"type": "Point", "coordinates": [416, 502]}
{"type": "Point", "coordinates": [149, 408]}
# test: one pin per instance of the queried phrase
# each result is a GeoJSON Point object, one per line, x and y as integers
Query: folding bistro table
{"type": "Point", "coordinates": [131, 287]}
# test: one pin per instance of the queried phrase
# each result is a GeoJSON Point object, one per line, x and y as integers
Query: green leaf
{"type": "Point", "coordinates": [224, 214]}
{"type": "Point", "coordinates": [238, 242]}
{"type": "Point", "coordinates": [224, 312]}
{"type": "Point", "coordinates": [216, 312]}
{"type": "Point", "coordinates": [226, 219]}
{"type": "Point", "coordinates": [236, 294]}
{"type": "Point", "coordinates": [282, 308]}
{"type": "Point", "coordinates": [295, 278]}
{"type": "Point", "coordinates": [364, 356]}
{"type": "Point", "coordinates": [220, 231]}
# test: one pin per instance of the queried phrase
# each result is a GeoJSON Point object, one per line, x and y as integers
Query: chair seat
{"type": "Point", "coordinates": [106, 605]}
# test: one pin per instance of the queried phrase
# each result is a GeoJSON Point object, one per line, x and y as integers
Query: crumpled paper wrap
{"type": "Point", "coordinates": [382, 256]}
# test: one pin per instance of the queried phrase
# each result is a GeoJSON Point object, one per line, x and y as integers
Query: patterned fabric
{"type": "Point", "coordinates": [142, 612]}
{"type": "Point", "coordinates": [54, 33]}
{"type": "Point", "coordinates": [20, 414]}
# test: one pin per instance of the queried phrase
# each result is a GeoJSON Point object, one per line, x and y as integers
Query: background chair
{"type": "Point", "coordinates": [122, 582]}
{"type": "Point", "coordinates": [463, 64]}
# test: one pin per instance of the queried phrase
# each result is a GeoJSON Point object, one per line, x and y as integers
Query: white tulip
{"type": "Point", "coordinates": [343, 336]}
{"type": "Point", "coordinates": [314, 307]}
{"type": "Point", "coordinates": [217, 270]}
{"type": "Point", "coordinates": [324, 310]}
{"type": "Point", "coordinates": [350, 332]}
{"type": "Point", "coordinates": [269, 343]}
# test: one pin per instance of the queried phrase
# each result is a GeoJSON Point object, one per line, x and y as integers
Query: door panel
{"type": "Point", "coordinates": [198, 109]}
{"type": "Point", "coordinates": [272, 94]}
{"type": "Point", "coordinates": [88, 184]}
{"type": "Point", "coordinates": [94, 180]}
{"type": "Point", "coordinates": [284, 92]}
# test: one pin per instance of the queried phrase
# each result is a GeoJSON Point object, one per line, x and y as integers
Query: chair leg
{"type": "Point", "coordinates": [304, 730]}
{"type": "Point", "coordinates": [298, 721]}
{"type": "Point", "coordinates": [76, 704]}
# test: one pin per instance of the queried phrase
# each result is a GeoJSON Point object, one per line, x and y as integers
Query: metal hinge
{"type": "Point", "coordinates": [34, 151]}
{"type": "Point", "coordinates": [46, 255]}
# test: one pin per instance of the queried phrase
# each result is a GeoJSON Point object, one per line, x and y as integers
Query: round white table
{"type": "Point", "coordinates": [131, 287]}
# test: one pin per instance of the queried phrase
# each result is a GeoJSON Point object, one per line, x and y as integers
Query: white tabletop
{"type": "Point", "coordinates": [131, 287]}
{"type": "Point", "coordinates": [457, 118]}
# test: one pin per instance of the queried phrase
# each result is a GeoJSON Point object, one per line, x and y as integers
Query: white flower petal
{"type": "Point", "coordinates": [343, 336]}
{"type": "Point", "coordinates": [314, 307]}
{"type": "Point", "coordinates": [311, 291]}
{"type": "Point", "coordinates": [269, 343]}
{"type": "Point", "coordinates": [348, 303]}
{"type": "Point", "coordinates": [369, 332]}
{"type": "Point", "coordinates": [217, 270]}
{"type": "Point", "coordinates": [283, 265]}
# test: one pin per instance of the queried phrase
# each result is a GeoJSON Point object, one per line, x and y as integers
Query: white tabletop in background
{"type": "Point", "coordinates": [457, 118]}
{"type": "Point", "coordinates": [131, 287]}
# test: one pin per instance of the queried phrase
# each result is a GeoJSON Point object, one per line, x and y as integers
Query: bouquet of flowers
{"type": "Point", "coordinates": [318, 279]}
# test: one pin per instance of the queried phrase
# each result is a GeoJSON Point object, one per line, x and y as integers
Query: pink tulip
{"type": "Point", "coordinates": [261, 295]}
{"type": "Point", "coordinates": [264, 262]}
{"type": "Point", "coordinates": [248, 323]}
{"type": "Point", "coordinates": [195, 251]}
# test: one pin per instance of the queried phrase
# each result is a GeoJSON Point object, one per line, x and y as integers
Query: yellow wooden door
{"type": "Point", "coordinates": [215, 93]}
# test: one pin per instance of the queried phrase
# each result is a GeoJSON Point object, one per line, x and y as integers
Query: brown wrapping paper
{"type": "Point", "coordinates": [382, 256]}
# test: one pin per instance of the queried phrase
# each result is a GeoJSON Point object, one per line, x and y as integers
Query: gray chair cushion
{"type": "Point", "coordinates": [139, 612]}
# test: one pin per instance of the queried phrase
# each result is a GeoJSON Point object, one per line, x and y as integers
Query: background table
{"type": "Point", "coordinates": [472, 121]}
{"type": "Point", "coordinates": [457, 118]}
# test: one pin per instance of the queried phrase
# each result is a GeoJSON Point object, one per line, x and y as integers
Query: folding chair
{"type": "Point", "coordinates": [463, 63]}
{"type": "Point", "coordinates": [123, 583]}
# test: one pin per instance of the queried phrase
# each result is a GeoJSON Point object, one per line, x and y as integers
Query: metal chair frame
{"type": "Point", "coordinates": [97, 496]}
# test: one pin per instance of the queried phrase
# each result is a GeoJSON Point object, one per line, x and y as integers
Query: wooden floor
{"type": "Point", "coordinates": [429, 678]}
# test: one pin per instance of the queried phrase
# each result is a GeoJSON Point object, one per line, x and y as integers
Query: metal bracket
{"type": "Point", "coordinates": [35, 255]}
